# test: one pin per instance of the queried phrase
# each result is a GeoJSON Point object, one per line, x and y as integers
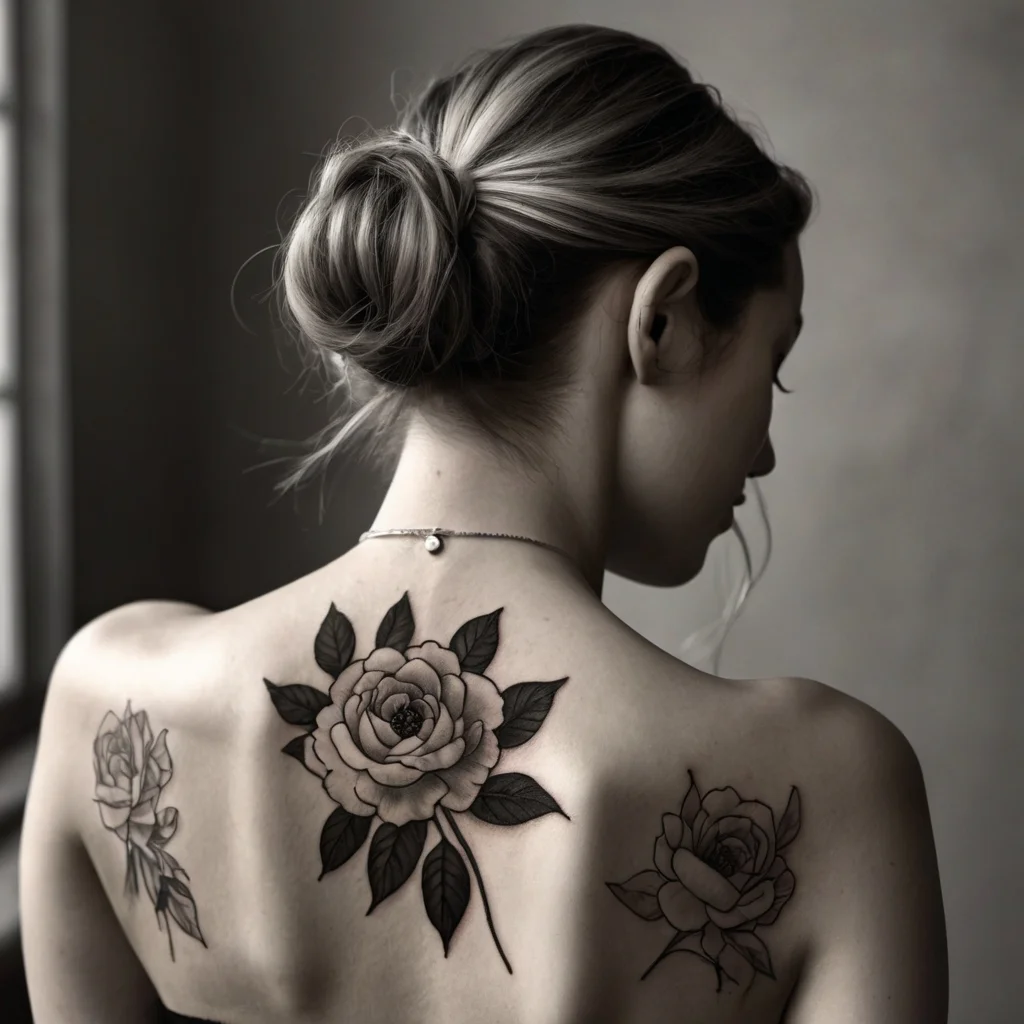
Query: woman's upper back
{"type": "Point", "coordinates": [513, 810]}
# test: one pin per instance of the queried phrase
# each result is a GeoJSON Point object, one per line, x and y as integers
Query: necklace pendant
{"type": "Point", "coordinates": [433, 543]}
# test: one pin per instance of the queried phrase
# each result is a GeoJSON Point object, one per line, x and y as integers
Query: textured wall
{"type": "Point", "coordinates": [896, 571]}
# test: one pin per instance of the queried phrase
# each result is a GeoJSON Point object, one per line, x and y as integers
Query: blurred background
{"type": "Point", "coordinates": [149, 153]}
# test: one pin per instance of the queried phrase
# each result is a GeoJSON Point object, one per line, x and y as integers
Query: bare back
{"type": "Point", "coordinates": [618, 837]}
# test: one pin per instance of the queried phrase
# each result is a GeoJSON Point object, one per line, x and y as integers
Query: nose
{"type": "Point", "coordinates": [765, 461]}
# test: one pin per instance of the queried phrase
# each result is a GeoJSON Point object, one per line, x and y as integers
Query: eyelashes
{"type": "Point", "coordinates": [778, 383]}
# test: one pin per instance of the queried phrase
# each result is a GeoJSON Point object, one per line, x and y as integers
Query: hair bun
{"type": "Point", "coordinates": [372, 270]}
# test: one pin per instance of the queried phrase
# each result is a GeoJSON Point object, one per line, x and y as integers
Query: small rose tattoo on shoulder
{"type": "Point", "coordinates": [132, 769]}
{"type": "Point", "coordinates": [718, 877]}
{"type": "Point", "coordinates": [411, 735]}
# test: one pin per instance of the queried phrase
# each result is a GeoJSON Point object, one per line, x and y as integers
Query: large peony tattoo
{"type": "Point", "coordinates": [717, 877]}
{"type": "Point", "coordinates": [411, 735]}
{"type": "Point", "coordinates": [132, 769]}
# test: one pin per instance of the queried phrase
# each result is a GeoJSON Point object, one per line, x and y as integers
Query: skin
{"type": "Point", "coordinates": [643, 473]}
{"type": "Point", "coordinates": [641, 476]}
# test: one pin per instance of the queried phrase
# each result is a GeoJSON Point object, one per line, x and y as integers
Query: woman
{"type": "Point", "coordinates": [437, 780]}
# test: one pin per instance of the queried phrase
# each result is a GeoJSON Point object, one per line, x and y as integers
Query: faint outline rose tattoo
{"type": "Point", "coordinates": [132, 769]}
{"type": "Point", "coordinates": [717, 877]}
{"type": "Point", "coordinates": [411, 735]}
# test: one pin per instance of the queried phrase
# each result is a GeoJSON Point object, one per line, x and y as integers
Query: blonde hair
{"type": "Point", "coordinates": [443, 262]}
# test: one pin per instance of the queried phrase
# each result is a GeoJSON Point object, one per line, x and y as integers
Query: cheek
{"type": "Point", "coordinates": [658, 530]}
{"type": "Point", "coordinates": [745, 418]}
{"type": "Point", "coordinates": [657, 468]}
{"type": "Point", "coordinates": [762, 424]}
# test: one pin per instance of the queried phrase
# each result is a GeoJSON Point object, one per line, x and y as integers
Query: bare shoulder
{"type": "Point", "coordinates": [105, 663]}
{"type": "Point", "coordinates": [98, 840]}
{"type": "Point", "coordinates": [130, 628]}
{"type": "Point", "coordinates": [86, 660]}
{"type": "Point", "coordinates": [725, 830]}
{"type": "Point", "coordinates": [856, 765]}
{"type": "Point", "coordinates": [853, 744]}
{"type": "Point", "coordinates": [119, 648]}
{"type": "Point", "coordinates": [878, 940]}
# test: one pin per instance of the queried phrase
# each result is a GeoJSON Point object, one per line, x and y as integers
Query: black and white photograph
{"type": "Point", "coordinates": [511, 513]}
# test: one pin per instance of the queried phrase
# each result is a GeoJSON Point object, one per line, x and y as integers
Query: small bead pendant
{"type": "Point", "coordinates": [433, 543]}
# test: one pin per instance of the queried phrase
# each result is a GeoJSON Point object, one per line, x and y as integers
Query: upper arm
{"type": "Point", "coordinates": [78, 963]}
{"type": "Point", "coordinates": [879, 956]}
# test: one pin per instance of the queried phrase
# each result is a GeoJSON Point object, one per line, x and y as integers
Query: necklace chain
{"type": "Point", "coordinates": [433, 537]}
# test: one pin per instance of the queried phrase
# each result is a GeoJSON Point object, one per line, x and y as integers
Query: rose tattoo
{"type": "Point", "coordinates": [717, 877]}
{"type": "Point", "coordinates": [410, 735]}
{"type": "Point", "coordinates": [132, 770]}
{"type": "Point", "coordinates": [405, 731]}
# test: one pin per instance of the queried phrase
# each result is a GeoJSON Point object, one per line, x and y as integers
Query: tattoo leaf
{"type": "Point", "coordinates": [640, 894]}
{"type": "Point", "coordinates": [753, 950]}
{"type": "Point", "coordinates": [445, 889]}
{"type": "Point", "coordinates": [397, 626]}
{"type": "Point", "coordinates": [170, 864]}
{"type": "Point", "coordinates": [297, 748]}
{"type": "Point", "coordinates": [526, 705]}
{"type": "Point", "coordinates": [394, 853]}
{"type": "Point", "coordinates": [343, 833]}
{"type": "Point", "coordinates": [790, 823]}
{"type": "Point", "coordinates": [177, 900]}
{"type": "Point", "coordinates": [475, 642]}
{"type": "Point", "coordinates": [297, 703]}
{"type": "Point", "coordinates": [334, 643]}
{"type": "Point", "coordinates": [511, 799]}
{"type": "Point", "coordinates": [166, 826]}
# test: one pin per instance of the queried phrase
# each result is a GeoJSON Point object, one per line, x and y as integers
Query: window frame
{"type": "Point", "coordinates": [37, 114]}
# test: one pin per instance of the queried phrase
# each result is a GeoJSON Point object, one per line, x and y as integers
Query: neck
{"type": "Point", "coordinates": [456, 484]}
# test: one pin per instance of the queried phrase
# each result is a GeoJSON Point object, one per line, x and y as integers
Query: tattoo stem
{"type": "Point", "coordinates": [671, 948]}
{"type": "Point", "coordinates": [480, 884]}
{"type": "Point", "coordinates": [129, 867]}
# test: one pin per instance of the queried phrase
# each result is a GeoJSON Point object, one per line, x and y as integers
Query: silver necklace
{"type": "Point", "coordinates": [433, 538]}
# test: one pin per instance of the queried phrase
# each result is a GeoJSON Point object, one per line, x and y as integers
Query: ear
{"type": "Point", "coordinates": [662, 312]}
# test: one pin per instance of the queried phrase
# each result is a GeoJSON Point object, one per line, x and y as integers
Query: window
{"type": "Point", "coordinates": [34, 479]}
{"type": "Point", "coordinates": [34, 521]}
{"type": "Point", "coordinates": [11, 659]}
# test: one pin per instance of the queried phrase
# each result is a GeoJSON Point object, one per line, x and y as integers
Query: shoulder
{"type": "Point", "coordinates": [873, 867]}
{"type": "Point", "coordinates": [106, 661]}
{"type": "Point", "coordinates": [852, 764]}
{"type": "Point", "coordinates": [115, 646]}
{"type": "Point", "coordinates": [855, 744]}
{"type": "Point", "coordinates": [870, 874]}
{"type": "Point", "coordinates": [858, 766]}
{"type": "Point", "coordinates": [79, 963]}
{"type": "Point", "coordinates": [136, 626]}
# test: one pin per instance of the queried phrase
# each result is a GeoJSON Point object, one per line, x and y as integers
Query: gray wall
{"type": "Point", "coordinates": [896, 571]}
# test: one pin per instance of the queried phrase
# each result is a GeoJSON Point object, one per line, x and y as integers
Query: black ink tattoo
{"type": "Point", "coordinates": [717, 877]}
{"type": "Point", "coordinates": [411, 735]}
{"type": "Point", "coordinates": [132, 770]}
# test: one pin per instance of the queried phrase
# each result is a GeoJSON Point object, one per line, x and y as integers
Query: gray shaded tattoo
{"type": "Point", "coordinates": [717, 877]}
{"type": "Point", "coordinates": [132, 770]}
{"type": "Point", "coordinates": [411, 735]}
